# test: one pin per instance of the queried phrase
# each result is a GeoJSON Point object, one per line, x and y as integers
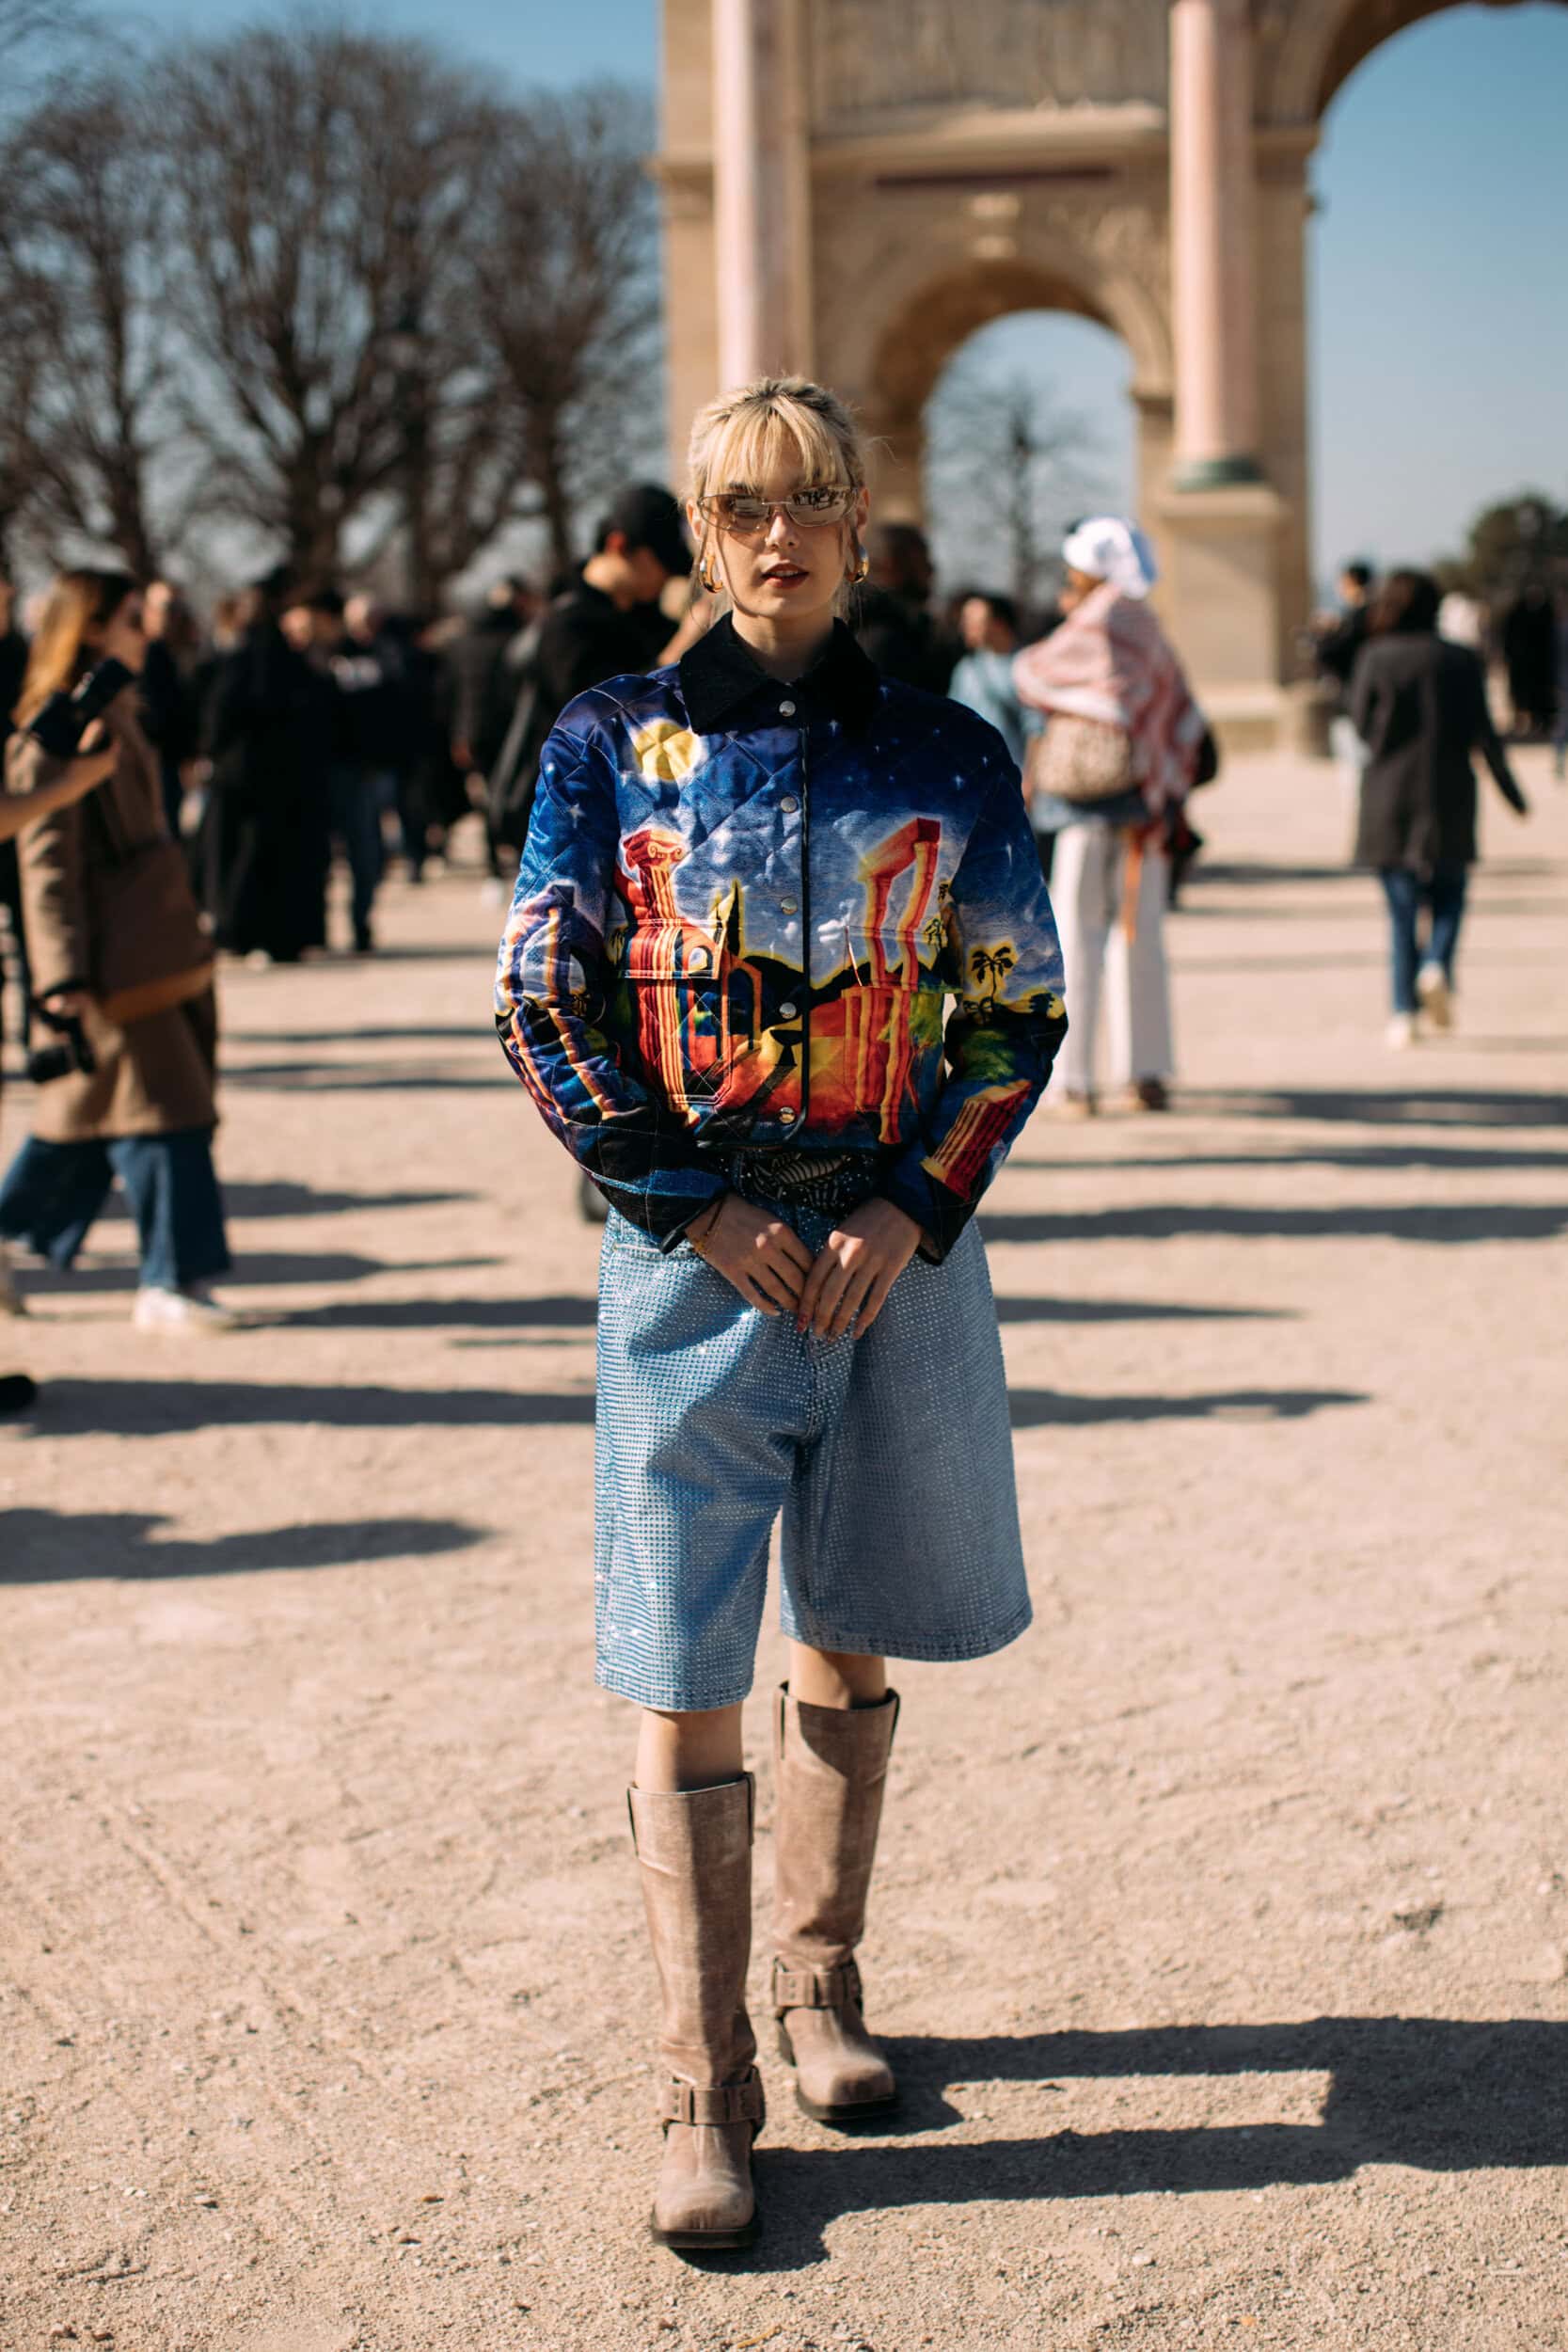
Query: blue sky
{"type": "Point", "coordinates": [1440, 254]}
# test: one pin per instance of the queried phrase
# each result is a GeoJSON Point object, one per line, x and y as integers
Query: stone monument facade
{"type": "Point", "coordinates": [850, 188]}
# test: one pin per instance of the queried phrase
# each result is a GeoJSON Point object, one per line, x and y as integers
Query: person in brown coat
{"type": "Point", "coordinates": [19, 810]}
{"type": "Point", "coordinates": [137, 1101]}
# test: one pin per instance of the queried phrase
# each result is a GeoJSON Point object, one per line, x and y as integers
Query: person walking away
{"type": "Point", "coordinates": [128, 1089]}
{"type": "Point", "coordinates": [363, 790]}
{"type": "Point", "coordinates": [1420, 705]}
{"type": "Point", "coordinates": [312, 621]}
{"type": "Point", "coordinates": [752, 878]}
{"type": "Point", "coordinates": [1559, 731]}
{"type": "Point", "coordinates": [267, 818]}
{"type": "Point", "coordinates": [1121, 745]}
{"type": "Point", "coordinates": [165, 706]}
{"type": "Point", "coordinates": [1530, 650]}
{"type": "Point", "coordinates": [893, 620]}
{"type": "Point", "coordinates": [983, 681]}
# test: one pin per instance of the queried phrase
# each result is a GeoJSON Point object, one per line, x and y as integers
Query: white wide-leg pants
{"type": "Point", "coordinates": [1087, 885]}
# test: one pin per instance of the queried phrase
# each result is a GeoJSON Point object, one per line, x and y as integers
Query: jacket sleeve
{"type": "Point", "coordinates": [1007, 1027]}
{"type": "Point", "coordinates": [1488, 741]}
{"type": "Point", "coordinates": [550, 981]}
{"type": "Point", "coordinates": [49, 855]}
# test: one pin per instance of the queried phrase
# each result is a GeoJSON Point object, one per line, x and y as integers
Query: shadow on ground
{"type": "Point", "coordinates": [1048, 1408]}
{"type": "Point", "coordinates": [62, 1547]}
{"type": "Point", "coordinates": [287, 1198]}
{"type": "Point", "coordinates": [569, 1312]}
{"type": "Point", "coordinates": [253, 1268]}
{"type": "Point", "coordinates": [1411, 1106]}
{"type": "Point", "coordinates": [70, 1409]}
{"type": "Point", "coordinates": [162, 1407]}
{"type": "Point", "coordinates": [1371, 1157]}
{"type": "Point", "coordinates": [1434, 2093]}
{"type": "Point", "coordinates": [1447, 1224]}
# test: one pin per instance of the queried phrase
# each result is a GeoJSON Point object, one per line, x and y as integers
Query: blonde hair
{"type": "Point", "coordinates": [779, 422]}
{"type": "Point", "coordinates": [77, 603]}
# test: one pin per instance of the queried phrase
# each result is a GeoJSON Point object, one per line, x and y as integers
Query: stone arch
{"type": "Point", "coordinates": [919, 334]}
{"type": "Point", "coordinates": [1322, 43]}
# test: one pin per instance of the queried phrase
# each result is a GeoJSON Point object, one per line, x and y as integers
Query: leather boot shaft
{"type": "Point", "coordinates": [831, 1773]}
{"type": "Point", "coordinates": [694, 1860]}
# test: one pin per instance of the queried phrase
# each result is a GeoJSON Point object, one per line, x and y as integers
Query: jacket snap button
{"type": "Point", "coordinates": [788, 1012]}
{"type": "Point", "coordinates": [784, 1118]}
{"type": "Point", "coordinates": [789, 804]}
{"type": "Point", "coordinates": [786, 710]}
{"type": "Point", "coordinates": [790, 906]}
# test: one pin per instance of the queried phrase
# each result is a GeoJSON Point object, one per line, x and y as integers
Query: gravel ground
{"type": "Point", "coordinates": [1222, 1932]}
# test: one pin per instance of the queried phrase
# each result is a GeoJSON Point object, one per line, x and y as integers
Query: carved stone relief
{"type": "Point", "coordinates": [873, 57]}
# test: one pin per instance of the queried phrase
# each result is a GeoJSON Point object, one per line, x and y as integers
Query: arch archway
{"type": "Point", "coordinates": [919, 335]}
{"type": "Point", "coordinates": [1317, 45]}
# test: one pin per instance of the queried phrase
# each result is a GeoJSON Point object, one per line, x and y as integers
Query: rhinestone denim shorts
{"type": "Point", "coordinates": [889, 1457]}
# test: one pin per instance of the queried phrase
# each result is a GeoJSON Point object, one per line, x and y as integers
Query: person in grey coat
{"type": "Point", "coordinates": [1419, 703]}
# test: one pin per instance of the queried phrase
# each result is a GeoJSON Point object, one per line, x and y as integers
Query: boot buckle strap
{"type": "Point", "coordinates": [713, 2102]}
{"type": "Point", "coordinates": [815, 1988]}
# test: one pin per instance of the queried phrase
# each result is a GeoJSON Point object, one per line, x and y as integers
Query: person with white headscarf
{"type": "Point", "coordinates": [1109, 775]}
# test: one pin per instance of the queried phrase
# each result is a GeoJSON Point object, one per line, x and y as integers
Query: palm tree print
{"type": "Point", "coordinates": [992, 964]}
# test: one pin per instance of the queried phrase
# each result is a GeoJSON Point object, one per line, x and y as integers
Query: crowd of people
{"type": "Point", "coordinates": [306, 724]}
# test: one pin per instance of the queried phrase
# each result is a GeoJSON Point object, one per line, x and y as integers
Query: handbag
{"type": "Point", "coordinates": [1080, 760]}
{"type": "Point", "coordinates": [149, 949]}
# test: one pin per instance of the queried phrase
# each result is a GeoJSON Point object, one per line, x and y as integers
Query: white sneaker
{"type": "Point", "coordinates": [189, 1310]}
{"type": "Point", "coordinates": [12, 1300]}
{"type": "Point", "coordinates": [1432, 987]}
{"type": "Point", "coordinates": [1401, 1032]}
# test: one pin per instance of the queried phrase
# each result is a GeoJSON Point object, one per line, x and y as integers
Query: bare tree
{"type": "Point", "coordinates": [1008, 470]}
{"type": "Point", "coordinates": [320, 181]}
{"type": "Point", "coordinates": [80, 249]}
{"type": "Point", "coordinates": [565, 305]}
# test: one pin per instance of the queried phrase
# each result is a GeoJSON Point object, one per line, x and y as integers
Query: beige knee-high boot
{"type": "Point", "coordinates": [832, 1770]}
{"type": "Point", "coordinates": [694, 1858]}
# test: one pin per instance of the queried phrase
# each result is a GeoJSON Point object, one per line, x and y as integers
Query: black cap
{"type": "Point", "coordinates": [648, 516]}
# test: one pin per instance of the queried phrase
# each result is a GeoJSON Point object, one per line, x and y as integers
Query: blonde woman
{"type": "Point", "coordinates": [752, 879]}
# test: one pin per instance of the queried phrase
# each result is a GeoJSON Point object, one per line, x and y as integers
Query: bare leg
{"type": "Point", "coordinates": [677, 1752]}
{"type": "Point", "coordinates": [829, 1678]}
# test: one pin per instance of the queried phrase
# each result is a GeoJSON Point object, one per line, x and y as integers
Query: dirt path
{"type": "Point", "coordinates": [1222, 1932]}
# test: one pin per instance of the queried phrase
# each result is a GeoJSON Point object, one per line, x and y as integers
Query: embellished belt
{"type": "Point", "coordinates": [829, 1182]}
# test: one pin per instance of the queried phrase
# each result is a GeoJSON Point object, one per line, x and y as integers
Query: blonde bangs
{"type": "Point", "coordinates": [778, 426]}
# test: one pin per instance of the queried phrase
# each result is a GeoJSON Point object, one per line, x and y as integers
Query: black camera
{"type": "Point", "coordinates": [64, 719]}
{"type": "Point", "coordinates": [66, 1053]}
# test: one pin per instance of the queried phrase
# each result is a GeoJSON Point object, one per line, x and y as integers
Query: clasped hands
{"type": "Point", "coordinates": [846, 1281]}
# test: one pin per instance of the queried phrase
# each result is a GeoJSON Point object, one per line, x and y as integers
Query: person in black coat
{"type": "Point", "coordinates": [271, 737]}
{"type": "Point", "coordinates": [1419, 703]}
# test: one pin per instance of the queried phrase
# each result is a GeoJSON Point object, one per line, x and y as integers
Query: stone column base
{"type": "Point", "coordinates": [1222, 595]}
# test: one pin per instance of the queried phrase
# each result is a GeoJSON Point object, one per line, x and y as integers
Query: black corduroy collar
{"type": "Point", "coordinates": [719, 676]}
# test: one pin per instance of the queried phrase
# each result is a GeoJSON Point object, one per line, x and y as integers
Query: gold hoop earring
{"type": "Point", "coordinates": [708, 580]}
{"type": "Point", "coordinates": [863, 568]}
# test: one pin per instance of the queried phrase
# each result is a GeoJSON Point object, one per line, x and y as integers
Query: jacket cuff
{"type": "Point", "coordinates": [939, 1214]}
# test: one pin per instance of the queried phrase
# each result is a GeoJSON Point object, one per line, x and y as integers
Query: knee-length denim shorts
{"type": "Point", "coordinates": [890, 1458]}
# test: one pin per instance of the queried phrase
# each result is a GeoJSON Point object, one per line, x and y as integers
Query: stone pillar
{"type": "Point", "coordinates": [761, 188]}
{"type": "Point", "coordinates": [1220, 519]}
{"type": "Point", "coordinates": [1212, 267]}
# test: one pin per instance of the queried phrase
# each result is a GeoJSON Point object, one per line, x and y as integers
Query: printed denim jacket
{"type": "Point", "coordinates": [740, 912]}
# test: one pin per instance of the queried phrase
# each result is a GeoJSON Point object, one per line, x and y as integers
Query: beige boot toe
{"type": "Point", "coordinates": [840, 2073]}
{"type": "Point", "coordinates": [704, 2199]}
